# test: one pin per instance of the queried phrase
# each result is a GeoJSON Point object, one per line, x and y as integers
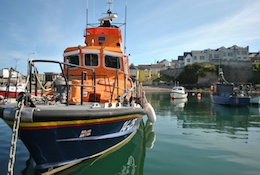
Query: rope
{"type": "Point", "coordinates": [17, 119]}
{"type": "Point", "coordinates": [36, 75]}
{"type": "Point", "coordinates": [38, 80]}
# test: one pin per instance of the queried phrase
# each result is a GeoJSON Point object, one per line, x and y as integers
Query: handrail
{"type": "Point", "coordinates": [32, 65]}
{"type": "Point", "coordinates": [66, 75]}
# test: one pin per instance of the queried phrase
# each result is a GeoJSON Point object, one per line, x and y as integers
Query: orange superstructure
{"type": "Point", "coordinates": [103, 63]}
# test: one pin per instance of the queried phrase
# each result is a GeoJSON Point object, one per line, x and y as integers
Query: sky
{"type": "Point", "coordinates": [155, 30]}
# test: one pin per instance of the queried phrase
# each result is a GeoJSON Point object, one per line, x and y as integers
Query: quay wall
{"type": "Point", "coordinates": [234, 71]}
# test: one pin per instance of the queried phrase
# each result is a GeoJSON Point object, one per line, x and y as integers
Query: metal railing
{"type": "Point", "coordinates": [67, 75]}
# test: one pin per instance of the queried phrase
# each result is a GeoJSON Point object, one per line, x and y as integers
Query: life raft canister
{"type": "Point", "coordinates": [75, 92]}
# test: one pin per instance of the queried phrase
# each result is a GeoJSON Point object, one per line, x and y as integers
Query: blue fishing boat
{"type": "Point", "coordinates": [90, 107]}
{"type": "Point", "coordinates": [226, 93]}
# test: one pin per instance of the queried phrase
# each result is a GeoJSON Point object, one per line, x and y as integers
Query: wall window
{"type": "Point", "coordinates": [112, 62]}
{"type": "Point", "coordinates": [195, 57]}
{"type": "Point", "coordinates": [216, 55]}
{"type": "Point", "coordinates": [230, 54]}
{"type": "Point", "coordinates": [210, 56]}
{"type": "Point", "coordinates": [202, 57]}
{"type": "Point", "coordinates": [48, 78]}
{"type": "Point", "coordinates": [91, 59]}
{"type": "Point", "coordinates": [244, 52]}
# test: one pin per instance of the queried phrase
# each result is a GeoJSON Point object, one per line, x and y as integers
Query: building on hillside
{"type": "Point", "coordinates": [187, 58]}
{"type": "Point", "coordinates": [221, 55]}
{"type": "Point", "coordinates": [145, 73]}
{"type": "Point", "coordinates": [134, 72]}
{"type": "Point", "coordinates": [165, 62]}
{"type": "Point", "coordinates": [254, 56]}
{"type": "Point", "coordinates": [174, 63]}
{"type": "Point", "coordinates": [181, 62]}
{"type": "Point", "coordinates": [156, 68]}
{"type": "Point", "coordinates": [11, 75]}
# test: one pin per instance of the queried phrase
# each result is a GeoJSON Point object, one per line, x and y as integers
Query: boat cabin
{"type": "Point", "coordinates": [102, 61]}
{"type": "Point", "coordinates": [221, 88]}
{"type": "Point", "coordinates": [103, 51]}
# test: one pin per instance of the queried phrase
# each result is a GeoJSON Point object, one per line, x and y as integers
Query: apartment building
{"type": "Point", "coordinates": [221, 55]}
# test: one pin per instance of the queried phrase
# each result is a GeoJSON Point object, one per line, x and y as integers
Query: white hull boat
{"type": "Point", "coordinates": [178, 92]}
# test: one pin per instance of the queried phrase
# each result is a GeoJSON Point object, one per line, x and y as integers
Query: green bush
{"type": "Point", "coordinates": [193, 71]}
{"type": "Point", "coordinates": [256, 67]}
{"type": "Point", "coordinates": [256, 73]}
{"type": "Point", "coordinates": [163, 78]}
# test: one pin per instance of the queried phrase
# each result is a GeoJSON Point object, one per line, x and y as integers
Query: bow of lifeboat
{"type": "Point", "coordinates": [91, 107]}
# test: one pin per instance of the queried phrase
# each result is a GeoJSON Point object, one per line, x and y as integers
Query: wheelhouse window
{"type": "Point", "coordinates": [73, 59]}
{"type": "Point", "coordinates": [91, 59]}
{"type": "Point", "coordinates": [112, 62]}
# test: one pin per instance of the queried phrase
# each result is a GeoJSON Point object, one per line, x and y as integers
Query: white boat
{"type": "Point", "coordinates": [255, 100]}
{"type": "Point", "coordinates": [178, 92]}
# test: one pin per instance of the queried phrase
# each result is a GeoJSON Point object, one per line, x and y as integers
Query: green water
{"type": "Point", "coordinates": [192, 137]}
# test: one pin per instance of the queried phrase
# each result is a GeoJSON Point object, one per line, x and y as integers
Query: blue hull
{"type": "Point", "coordinates": [128, 157]}
{"type": "Point", "coordinates": [230, 100]}
{"type": "Point", "coordinates": [54, 147]}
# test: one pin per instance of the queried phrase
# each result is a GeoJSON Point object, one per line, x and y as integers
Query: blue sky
{"type": "Point", "coordinates": [156, 30]}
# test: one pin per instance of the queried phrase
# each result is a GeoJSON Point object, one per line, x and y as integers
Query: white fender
{"type": "Point", "coordinates": [150, 112]}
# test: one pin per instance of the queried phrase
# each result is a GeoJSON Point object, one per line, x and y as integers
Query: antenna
{"type": "Point", "coordinates": [87, 15]}
{"type": "Point", "coordinates": [125, 27]}
{"type": "Point", "coordinates": [109, 2]}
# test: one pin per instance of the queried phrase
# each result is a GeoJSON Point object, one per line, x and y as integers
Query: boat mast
{"type": "Point", "coordinates": [125, 27]}
{"type": "Point", "coordinates": [111, 15]}
{"type": "Point", "coordinates": [109, 12]}
{"type": "Point", "coordinates": [87, 15]}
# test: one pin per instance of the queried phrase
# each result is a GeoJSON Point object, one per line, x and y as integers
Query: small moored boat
{"type": "Point", "coordinates": [255, 100]}
{"type": "Point", "coordinates": [225, 93]}
{"type": "Point", "coordinates": [178, 92]}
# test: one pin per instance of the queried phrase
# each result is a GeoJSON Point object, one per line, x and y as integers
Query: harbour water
{"type": "Point", "coordinates": [189, 137]}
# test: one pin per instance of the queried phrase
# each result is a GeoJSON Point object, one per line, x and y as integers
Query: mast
{"type": "Point", "coordinates": [109, 12]}
{"type": "Point", "coordinates": [125, 27]}
{"type": "Point", "coordinates": [87, 15]}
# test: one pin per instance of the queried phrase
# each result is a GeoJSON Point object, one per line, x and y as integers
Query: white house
{"type": "Point", "coordinates": [224, 55]}
{"type": "Point", "coordinates": [165, 62]}
{"type": "Point", "coordinates": [188, 58]}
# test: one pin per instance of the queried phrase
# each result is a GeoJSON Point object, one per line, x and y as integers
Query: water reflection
{"type": "Point", "coordinates": [178, 104]}
{"type": "Point", "coordinates": [125, 159]}
{"type": "Point", "coordinates": [209, 118]}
